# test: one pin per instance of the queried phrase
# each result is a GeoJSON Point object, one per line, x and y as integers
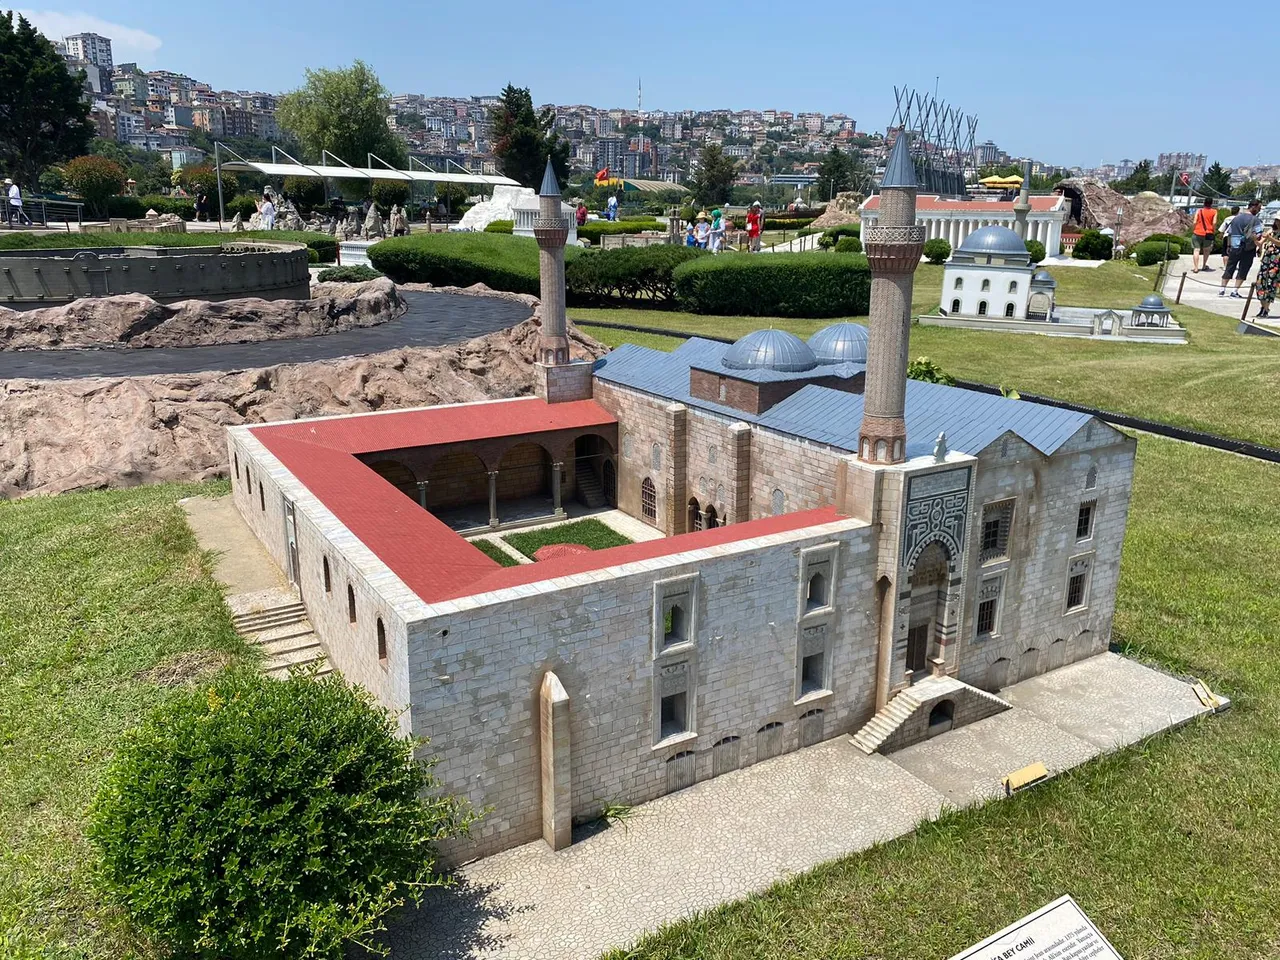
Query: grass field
{"type": "Point", "coordinates": [1220, 382]}
{"type": "Point", "coordinates": [495, 552]}
{"type": "Point", "coordinates": [588, 533]}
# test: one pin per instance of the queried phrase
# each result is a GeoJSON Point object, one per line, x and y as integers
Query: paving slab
{"type": "Point", "coordinates": [241, 564]}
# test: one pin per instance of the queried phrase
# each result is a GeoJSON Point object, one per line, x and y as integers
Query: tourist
{"type": "Point", "coordinates": [1268, 268]}
{"type": "Point", "coordinates": [1241, 245]}
{"type": "Point", "coordinates": [689, 239]}
{"type": "Point", "coordinates": [611, 208]}
{"type": "Point", "coordinates": [717, 230]}
{"type": "Point", "coordinates": [1223, 228]}
{"type": "Point", "coordinates": [582, 212]}
{"type": "Point", "coordinates": [1204, 235]}
{"type": "Point", "coordinates": [267, 211]}
{"type": "Point", "coordinates": [755, 226]}
{"type": "Point", "coordinates": [16, 213]}
{"type": "Point", "coordinates": [703, 230]}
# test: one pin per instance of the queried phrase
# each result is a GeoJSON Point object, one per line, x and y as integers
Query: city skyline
{"type": "Point", "coordinates": [1073, 118]}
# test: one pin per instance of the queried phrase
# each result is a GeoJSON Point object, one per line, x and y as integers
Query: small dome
{"type": "Point", "coordinates": [1043, 276]}
{"type": "Point", "coordinates": [840, 343]}
{"type": "Point", "coordinates": [993, 239]}
{"type": "Point", "coordinates": [770, 350]}
{"type": "Point", "coordinates": [1152, 301]}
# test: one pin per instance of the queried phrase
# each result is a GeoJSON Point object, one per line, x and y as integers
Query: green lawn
{"type": "Point", "coordinates": [1220, 382]}
{"type": "Point", "coordinates": [495, 552]}
{"type": "Point", "coordinates": [1173, 848]}
{"type": "Point", "coordinates": [589, 533]}
{"type": "Point", "coordinates": [104, 594]}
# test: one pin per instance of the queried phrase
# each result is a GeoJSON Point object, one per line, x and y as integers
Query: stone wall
{"type": "Point", "coordinates": [475, 675]}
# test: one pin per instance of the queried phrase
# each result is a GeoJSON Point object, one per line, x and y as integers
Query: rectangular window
{"type": "Point", "coordinates": [675, 716]}
{"type": "Point", "coordinates": [990, 536]}
{"type": "Point", "coordinates": [986, 618]}
{"type": "Point", "coordinates": [1084, 520]}
{"type": "Point", "coordinates": [1078, 572]}
{"type": "Point", "coordinates": [812, 674]}
{"type": "Point", "coordinates": [996, 520]}
{"type": "Point", "coordinates": [1075, 591]}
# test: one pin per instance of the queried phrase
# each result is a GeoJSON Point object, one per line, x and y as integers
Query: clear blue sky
{"type": "Point", "coordinates": [1057, 82]}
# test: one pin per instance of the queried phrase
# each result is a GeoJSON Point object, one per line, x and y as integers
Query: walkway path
{"type": "Point", "coordinates": [431, 320]}
{"type": "Point", "coordinates": [1201, 289]}
{"type": "Point", "coordinates": [737, 834]}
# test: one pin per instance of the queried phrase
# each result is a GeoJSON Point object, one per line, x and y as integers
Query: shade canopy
{"type": "Point", "coordinates": [338, 172]}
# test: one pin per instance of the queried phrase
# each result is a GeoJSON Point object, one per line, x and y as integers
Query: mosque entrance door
{"type": "Point", "coordinates": [918, 647]}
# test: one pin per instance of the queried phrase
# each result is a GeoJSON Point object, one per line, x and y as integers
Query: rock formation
{"type": "Point", "coordinates": [843, 209]}
{"type": "Point", "coordinates": [399, 222]}
{"type": "Point", "coordinates": [85, 434]}
{"type": "Point", "coordinates": [135, 320]}
{"type": "Point", "coordinates": [1145, 214]}
{"type": "Point", "coordinates": [374, 229]}
{"type": "Point", "coordinates": [237, 223]}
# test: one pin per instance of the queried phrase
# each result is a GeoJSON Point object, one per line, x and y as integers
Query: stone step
{"type": "Point", "coordinates": [298, 653]}
{"type": "Point", "coordinates": [589, 489]}
{"type": "Point", "coordinates": [285, 646]}
{"type": "Point", "coordinates": [272, 617]}
{"type": "Point", "coordinates": [286, 631]}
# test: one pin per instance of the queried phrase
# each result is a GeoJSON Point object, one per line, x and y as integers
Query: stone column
{"type": "Point", "coordinates": [422, 493]}
{"type": "Point", "coordinates": [493, 498]}
{"type": "Point", "coordinates": [551, 230]}
{"type": "Point", "coordinates": [677, 470]}
{"type": "Point", "coordinates": [739, 473]}
{"type": "Point", "coordinates": [557, 796]}
{"type": "Point", "coordinates": [555, 488]}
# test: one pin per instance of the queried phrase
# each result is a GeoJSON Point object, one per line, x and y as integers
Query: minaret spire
{"type": "Point", "coordinates": [1023, 205]}
{"type": "Point", "coordinates": [551, 230]}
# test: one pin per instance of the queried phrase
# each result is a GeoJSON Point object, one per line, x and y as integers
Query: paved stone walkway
{"type": "Point", "coordinates": [737, 834]}
{"type": "Point", "coordinates": [431, 320]}
{"type": "Point", "coordinates": [1201, 289]}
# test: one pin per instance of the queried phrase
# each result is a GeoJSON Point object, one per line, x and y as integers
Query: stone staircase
{"type": "Point", "coordinates": [889, 718]}
{"type": "Point", "coordinates": [904, 719]}
{"type": "Point", "coordinates": [286, 637]}
{"type": "Point", "coordinates": [589, 490]}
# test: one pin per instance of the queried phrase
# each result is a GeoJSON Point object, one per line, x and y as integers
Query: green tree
{"type": "Point", "coordinates": [1217, 181]}
{"type": "Point", "coordinates": [96, 179]}
{"type": "Point", "coordinates": [1250, 189]}
{"type": "Point", "coordinates": [713, 182]}
{"type": "Point", "coordinates": [205, 178]}
{"type": "Point", "coordinates": [1137, 181]}
{"type": "Point", "coordinates": [1271, 191]}
{"type": "Point", "coordinates": [343, 111]}
{"type": "Point", "coordinates": [523, 139]}
{"type": "Point", "coordinates": [43, 119]}
{"type": "Point", "coordinates": [835, 174]}
{"type": "Point", "coordinates": [235, 824]}
{"type": "Point", "coordinates": [937, 250]}
{"type": "Point", "coordinates": [307, 193]}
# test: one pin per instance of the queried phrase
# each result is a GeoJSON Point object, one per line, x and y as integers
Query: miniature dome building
{"type": "Point", "coordinates": [1043, 290]}
{"type": "Point", "coordinates": [840, 343]}
{"type": "Point", "coordinates": [774, 350]}
{"type": "Point", "coordinates": [1152, 312]}
{"type": "Point", "coordinates": [990, 275]}
{"type": "Point", "coordinates": [995, 241]}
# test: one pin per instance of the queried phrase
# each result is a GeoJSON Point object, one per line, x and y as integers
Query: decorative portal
{"type": "Point", "coordinates": [937, 505]}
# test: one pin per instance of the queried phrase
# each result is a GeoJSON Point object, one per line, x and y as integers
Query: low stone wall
{"type": "Point", "coordinates": [44, 278]}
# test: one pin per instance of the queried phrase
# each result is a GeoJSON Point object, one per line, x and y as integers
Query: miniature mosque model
{"type": "Point", "coordinates": [832, 550]}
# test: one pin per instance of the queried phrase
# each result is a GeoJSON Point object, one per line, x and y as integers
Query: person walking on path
{"type": "Point", "coordinates": [267, 211]}
{"type": "Point", "coordinates": [1268, 269]}
{"type": "Point", "coordinates": [1241, 246]}
{"type": "Point", "coordinates": [755, 226]}
{"type": "Point", "coordinates": [1203, 236]}
{"type": "Point", "coordinates": [581, 213]}
{"type": "Point", "coordinates": [15, 204]}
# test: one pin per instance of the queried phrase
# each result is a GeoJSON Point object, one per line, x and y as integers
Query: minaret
{"type": "Point", "coordinates": [893, 248]}
{"type": "Point", "coordinates": [1023, 204]}
{"type": "Point", "coordinates": [551, 230]}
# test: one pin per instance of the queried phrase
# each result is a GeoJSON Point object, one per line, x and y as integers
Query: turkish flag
{"type": "Point", "coordinates": [1185, 178]}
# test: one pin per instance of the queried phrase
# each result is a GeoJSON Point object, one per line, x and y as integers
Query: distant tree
{"type": "Point", "coordinates": [713, 182]}
{"type": "Point", "coordinates": [1036, 249]}
{"type": "Point", "coordinates": [835, 174]}
{"type": "Point", "coordinates": [203, 178]}
{"type": "Point", "coordinates": [1217, 181]}
{"type": "Point", "coordinates": [43, 119]}
{"type": "Point", "coordinates": [1271, 191]}
{"type": "Point", "coordinates": [1137, 181]}
{"type": "Point", "coordinates": [523, 139]}
{"type": "Point", "coordinates": [389, 192]}
{"type": "Point", "coordinates": [1250, 188]}
{"type": "Point", "coordinates": [937, 250]}
{"type": "Point", "coordinates": [411, 121]}
{"type": "Point", "coordinates": [307, 193]}
{"type": "Point", "coordinates": [343, 111]}
{"type": "Point", "coordinates": [151, 175]}
{"type": "Point", "coordinates": [96, 179]}
{"type": "Point", "coordinates": [51, 181]}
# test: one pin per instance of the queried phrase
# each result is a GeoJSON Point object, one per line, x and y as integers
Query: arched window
{"type": "Point", "coordinates": [955, 305]}
{"type": "Point", "coordinates": [351, 604]}
{"type": "Point", "coordinates": [959, 283]}
{"type": "Point", "coordinates": [1013, 286]}
{"type": "Point", "coordinates": [694, 519]}
{"type": "Point", "coordinates": [1008, 309]}
{"type": "Point", "coordinates": [778, 502]}
{"type": "Point", "coordinates": [712, 520]}
{"type": "Point", "coordinates": [982, 308]}
{"type": "Point", "coordinates": [656, 457]}
{"type": "Point", "coordinates": [986, 285]}
{"type": "Point", "coordinates": [382, 641]}
{"type": "Point", "coordinates": [649, 499]}
{"type": "Point", "coordinates": [248, 479]}
{"type": "Point", "coordinates": [328, 582]}
{"type": "Point", "coordinates": [711, 454]}
{"type": "Point", "coordinates": [1091, 478]}
{"type": "Point", "coordinates": [816, 595]}
{"type": "Point", "coordinates": [675, 627]}
{"type": "Point", "coordinates": [626, 446]}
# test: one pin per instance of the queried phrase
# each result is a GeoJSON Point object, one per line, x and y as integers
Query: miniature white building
{"type": "Point", "coordinates": [991, 274]}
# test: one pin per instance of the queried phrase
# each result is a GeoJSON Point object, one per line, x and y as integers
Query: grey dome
{"type": "Point", "coordinates": [770, 350]}
{"type": "Point", "coordinates": [1152, 301]}
{"type": "Point", "coordinates": [1043, 276]}
{"type": "Point", "coordinates": [840, 343]}
{"type": "Point", "coordinates": [993, 239]}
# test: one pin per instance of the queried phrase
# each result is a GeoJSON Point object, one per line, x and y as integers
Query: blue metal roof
{"type": "Point", "coordinates": [899, 171]}
{"type": "Point", "coordinates": [971, 420]}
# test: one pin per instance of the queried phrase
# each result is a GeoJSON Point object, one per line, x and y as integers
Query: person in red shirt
{"type": "Point", "coordinates": [582, 212]}
{"type": "Point", "coordinates": [755, 225]}
{"type": "Point", "coordinates": [1206, 227]}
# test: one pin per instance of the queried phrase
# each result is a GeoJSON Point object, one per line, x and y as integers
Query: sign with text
{"type": "Point", "coordinates": [1059, 931]}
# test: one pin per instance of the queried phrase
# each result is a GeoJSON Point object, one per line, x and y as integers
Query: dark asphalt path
{"type": "Point", "coordinates": [431, 320]}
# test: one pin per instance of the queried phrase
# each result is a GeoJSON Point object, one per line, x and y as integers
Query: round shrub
{"type": "Point", "coordinates": [1092, 245]}
{"type": "Point", "coordinates": [356, 274]}
{"type": "Point", "coordinates": [312, 256]}
{"type": "Point", "coordinates": [500, 226]}
{"type": "Point", "coordinates": [246, 205]}
{"type": "Point", "coordinates": [844, 230]}
{"type": "Point", "coordinates": [1036, 249]}
{"type": "Point", "coordinates": [775, 285]}
{"type": "Point", "coordinates": [1178, 243]}
{"type": "Point", "coordinates": [848, 245]}
{"type": "Point", "coordinates": [259, 817]}
{"type": "Point", "coordinates": [937, 250]}
{"type": "Point", "coordinates": [461, 259]}
{"type": "Point", "coordinates": [826, 241]}
{"type": "Point", "coordinates": [130, 208]}
{"type": "Point", "coordinates": [95, 179]}
{"type": "Point", "coordinates": [640, 274]}
{"type": "Point", "coordinates": [1150, 252]}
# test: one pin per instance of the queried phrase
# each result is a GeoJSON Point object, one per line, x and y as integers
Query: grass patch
{"type": "Point", "coordinates": [1219, 382]}
{"type": "Point", "coordinates": [108, 605]}
{"type": "Point", "coordinates": [324, 245]}
{"type": "Point", "coordinates": [588, 533]}
{"type": "Point", "coordinates": [461, 259]}
{"type": "Point", "coordinates": [495, 552]}
{"type": "Point", "coordinates": [1173, 848]}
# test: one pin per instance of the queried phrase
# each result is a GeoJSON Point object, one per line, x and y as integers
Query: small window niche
{"type": "Point", "coordinates": [674, 614]}
{"type": "Point", "coordinates": [817, 579]}
{"type": "Point", "coordinates": [813, 661]}
{"type": "Point", "coordinates": [674, 714]}
{"type": "Point", "coordinates": [673, 701]}
{"type": "Point", "coordinates": [813, 674]}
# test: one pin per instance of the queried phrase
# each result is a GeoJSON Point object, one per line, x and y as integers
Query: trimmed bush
{"type": "Point", "coordinates": [184, 207]}
{"type": "Point", "coordinates": [593, 230]}
{"type": "Point", "coordinates": [246, 205]}
{"type": "Point", "coordinates": [1036, 249]}
{"type": "Point", "coordinates": [312, 257]}
{"type": "Point", "coordinates": [357, 274]}
{"type": "Point", "coordinates": [848, 245]}
{"type": "Point", "coordinates": [642, 274]}
{"type": "Point", "coordinates": [500, 226]}
{"type": "Point", "coordinates": [1092, 245]}
{"type": "Point", "coordinates": [776, 285]}
{"type": "Point", "coordinates": [259, 817]}
{"type": "Point", "coordinates": [937, 250]}
{"type": "Point", "coordinates": [461, 259]}
{"type": "Point", "coordinates": [844, 230]}
{"type": "Point", "coordinates": [1153, 251]}
{"type": "Point", "coordinates": [1181, 244]}
{"type": "Point", "coordinates": [775, 223]}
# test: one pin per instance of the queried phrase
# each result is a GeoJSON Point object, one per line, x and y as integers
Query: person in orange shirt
{"type": "Point", "coordinates": [1205, 229]}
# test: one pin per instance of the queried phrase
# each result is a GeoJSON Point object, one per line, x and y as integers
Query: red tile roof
{"type": "Point", "coordinates": [976, 207]}
{"type": "Point", "coordinates": [425, 553]}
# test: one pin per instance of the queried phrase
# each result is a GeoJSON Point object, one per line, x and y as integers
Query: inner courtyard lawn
{"type": "Point", "coordinates": [1173, 847]}
{"type": "Point", "coordinates": [587, 533]}
{"type": "Point", "coordinates": [1220, 382]}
